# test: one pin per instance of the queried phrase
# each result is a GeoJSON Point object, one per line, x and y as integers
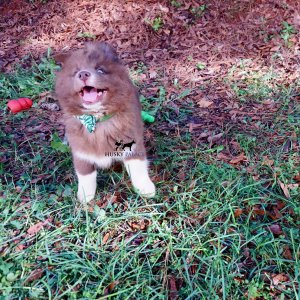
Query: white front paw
{"type": "Point", "coordinates": [86, 187]}
{"type": "Point", "coordinates": [145, 189]}
{"type": "Point", "coordinates": [83, 198]}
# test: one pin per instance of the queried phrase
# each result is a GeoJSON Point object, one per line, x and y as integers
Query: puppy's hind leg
{"type": "Point", "coordinates": [138, 172]}
{"type": "Point", "coordinates": [86, 174]}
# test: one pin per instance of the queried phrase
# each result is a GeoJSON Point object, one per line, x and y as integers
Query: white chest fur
{"type": "Point", "coordinates": [102, 162]}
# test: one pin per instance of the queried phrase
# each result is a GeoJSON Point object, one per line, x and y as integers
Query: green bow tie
{"type": "Point", "coordinates": [89, 121]}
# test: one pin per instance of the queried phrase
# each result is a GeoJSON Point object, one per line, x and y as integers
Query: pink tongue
{"type": "Point", "coordinates": [90, 96]}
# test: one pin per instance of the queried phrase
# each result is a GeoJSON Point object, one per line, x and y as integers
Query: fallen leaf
{"type": "Point", "coordinates": [38, 226]}
{"type": "Point", "coordinates": [268, 102]}
{"type": "Point", "coordinates": [34, 229]}
{"type": "Point", "coordinates": [284, 188]}
{"type": "Point", "coordinates": [204, 134]}
{"type": "Point", "coordinates": [173, 289]}
{"type": "Point", "coordinates": [267, 162]}
{"type": "Point", "coordinates": [297, 178]}
{"type": "Point", "coordinates": [292, 186]}
{"type": "Point", "coordinates": [50, 106]}
{"type": "Point", "coordinates": [278, 278]}
{"type": "Point", "coordinates": [223, 156]}
{"type": "Point", "coordinates": [34, 275]}
{"type": "Point", "coordinates": [275, 48]}
{"type": "Point", "coordinates": [296, 20]}
{"type": "Point", "coordinates": [110, 287]}
{"type": "Point", "coordinates": [142, 76]}
{"type": "Point", "coordinates": [139, 225]}
{"type": "Point", "coordinates": [152, 74]}
{"type": "Point", "coordinates": [287, 253]}
{"type": "Point", "coordinates": [250, 169]}
{"type": "Point", "coordinates": [214, 138]}
{"type": "Point", "coordinates": [287, 146]}
{"type": "Point", "coordinates": [204, 103]}
{"type": "Point", "coordinates": [181, 174]}
{"type": "Point", "coordinates": [163, 8]}
{"type": "Point", "coordinates": [238, 212]}
{"type": "Point", "coordinates": [275, 229]}
{"type": "Point", "coordinates": [280, 204]}
{"type": "Point", "coordinates": [241, 157]}
{"type": "Point", "coordinates": [40, 177]}
{"type": "Point", "coordinates": [258, 211]}
{"type": "Point", "coordinates": [275, 214]}
{"type": "Point", "coordinates": [193, 126]}
{"type": "Point", "coordinates": [226, 183]}
{"type": "Point", "coordinates": [20, 247]}
{"type": "Point", "coordinates": [105, 238]}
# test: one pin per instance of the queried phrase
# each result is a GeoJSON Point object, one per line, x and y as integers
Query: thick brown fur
{"type": "Point", "coordinates": [121, 101]}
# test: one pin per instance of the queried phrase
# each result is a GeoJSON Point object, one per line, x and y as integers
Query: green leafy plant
{"type": "Point", "coordinates": [86, 35]}
{"type": "Point", "coordinates": [38, 1]}
{"type": "Point", "coordinates": [156, 23]}
{"type": "Point", "coordinates": [176, 3]}
{"type": "Point", "coordinates": [200, 66]}
{"type": "Point", "coordinates": [58, 145]}
{"type": "Point", "coordinates": [287, 32]}
{"type": "Point", "coordinates": [198, 11]}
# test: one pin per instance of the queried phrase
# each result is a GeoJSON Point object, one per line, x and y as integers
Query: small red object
{"type": "Point", "coordinates": [20, 104]}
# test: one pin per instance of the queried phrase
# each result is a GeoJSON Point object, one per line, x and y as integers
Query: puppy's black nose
{"type": "Point", "coordinates": [84, 75]}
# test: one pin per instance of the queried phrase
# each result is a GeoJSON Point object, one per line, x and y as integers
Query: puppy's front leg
{"type": "Point", "coordinates": [138, 172]}
{"type": "Point", "coordinates": [86, 174]}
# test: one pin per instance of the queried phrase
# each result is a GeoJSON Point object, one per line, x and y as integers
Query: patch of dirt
{"type": "Point", "coordinates": [196, 45]}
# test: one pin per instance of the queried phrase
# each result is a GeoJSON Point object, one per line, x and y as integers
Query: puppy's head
{"type": "Point", "coordinates": [92, 79]}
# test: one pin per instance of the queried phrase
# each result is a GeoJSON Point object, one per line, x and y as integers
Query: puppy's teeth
{"type": "Point", "coordinates": [100, 93]}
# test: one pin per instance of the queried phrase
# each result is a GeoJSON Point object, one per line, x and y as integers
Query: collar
{"type": "Point", "coordinates": [89, 121]}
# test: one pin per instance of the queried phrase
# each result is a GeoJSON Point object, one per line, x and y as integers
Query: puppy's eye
{"type": "Point", "coordinates": [100, 71]}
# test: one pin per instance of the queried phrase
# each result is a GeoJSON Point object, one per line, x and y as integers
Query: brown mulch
{"type": "Point", "coordinates": [225, 33]}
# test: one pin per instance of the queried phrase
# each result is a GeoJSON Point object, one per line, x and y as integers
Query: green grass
{"type": "Point", "coordinates": [190, 238]}
{"type": "Point", "coordinates": [191, 234]}
{"type": "Point", "coordinates": [29, 82]}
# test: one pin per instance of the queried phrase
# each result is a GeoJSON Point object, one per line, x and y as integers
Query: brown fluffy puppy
{"type": "Point", "coordinates": [102, 115]}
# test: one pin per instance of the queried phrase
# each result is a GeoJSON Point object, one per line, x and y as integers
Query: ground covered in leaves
{"type": "Point", "coordinates": [222, 79]}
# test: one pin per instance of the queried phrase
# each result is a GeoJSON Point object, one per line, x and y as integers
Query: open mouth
{"type": "Point", "coordinates": [90, 94]}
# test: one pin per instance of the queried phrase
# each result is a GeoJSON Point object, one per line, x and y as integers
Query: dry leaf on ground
{"type": "Point", "coordinates": [173, 294]}
{"type": "Point", "coordinates": [279, 278]}
{"type": "Point", "coordinates": [105, 238]}
{"type": "Point", "coordinates": [34, 275]}
{"type": "Point", "coordinates": [267, 162]}
{"type": "Point", "coordinates": [240, 158]}
{"type": "Point", "coordinates": [238, 212]}
{"type": "Point", "coordinates": [204, 103]}
{"type": "Point", "coordinates": [214, 138]}
{"type": "Point", "coordinates": [35, 228]}
{"type": "Point", "coordinates": [284, 188]}
{"type": "Point", "coordinates": [276, 229]}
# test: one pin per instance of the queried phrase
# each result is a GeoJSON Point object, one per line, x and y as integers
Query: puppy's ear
{"type": "Point", "coordinates": [109, 52]}
{"type": "Point", "coordinates": [61, 58]}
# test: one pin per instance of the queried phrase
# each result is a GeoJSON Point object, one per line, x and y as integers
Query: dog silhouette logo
{"type": "Point", "coordinates": [120, 145]}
